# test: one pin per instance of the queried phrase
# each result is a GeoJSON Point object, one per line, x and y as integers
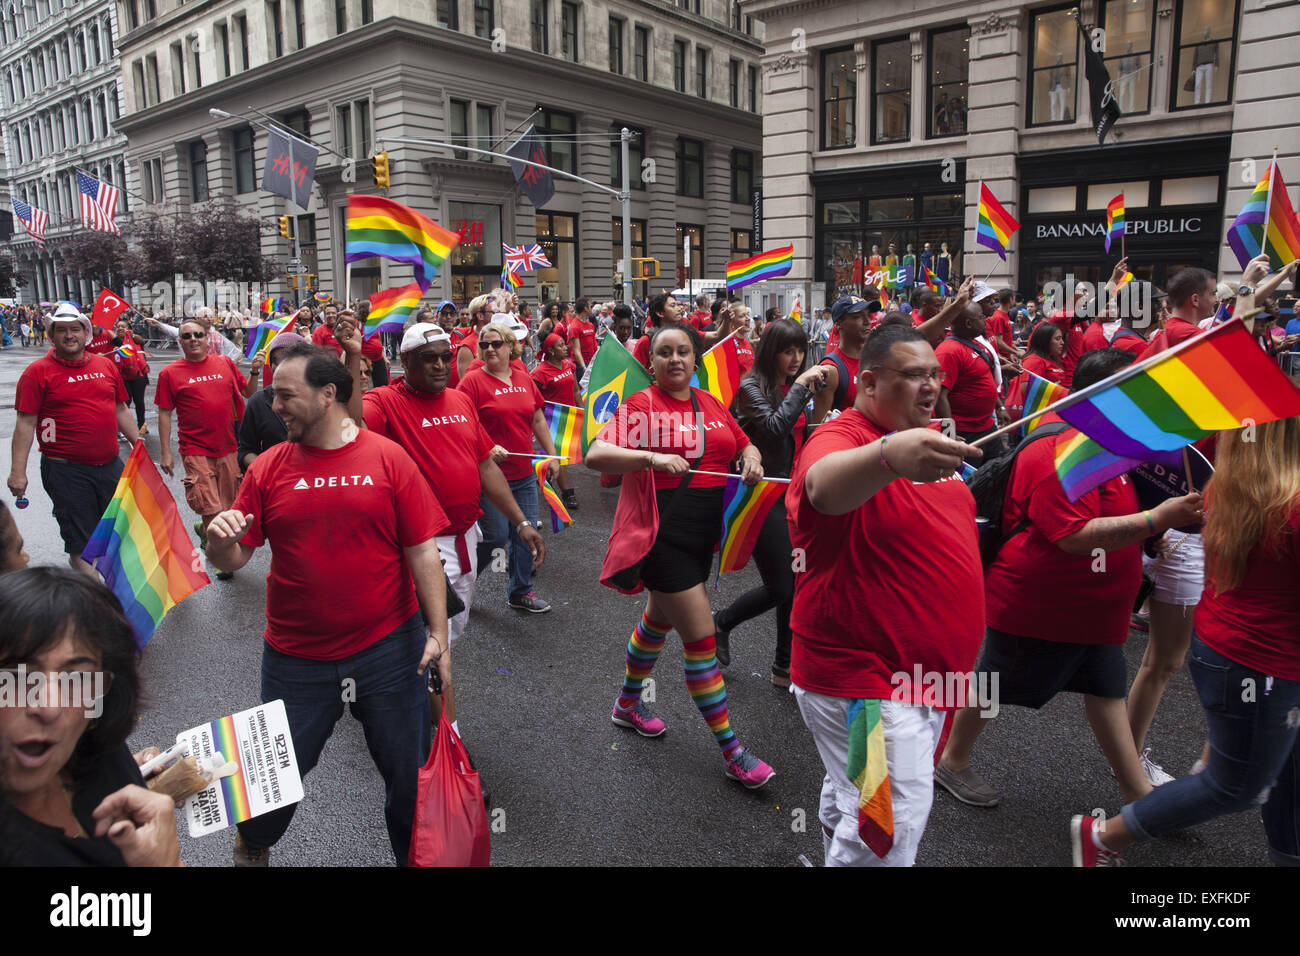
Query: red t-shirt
{"type": "Point", "coordinates": [892, 586]}
{"type": "Point", "coordinates": [1129, 340]}
{"type": "Point", "coordinates": [972, 390]}
{"type": "Point", "coordinates": [557, 384]}
{"type": "Point", "coordinates": [1043, 368]}
{"type": "Point", "coordinates": [999, 324]}
{"type": "Point", "coordinates": [641, 351]}
{"type": "Point", "coordinates": [700, 319]}
{"type": "Point", "coordinates": [75, 405]}
{"type": "Point", "coordinates": [744, 352]}
{"type": "Point", "coordinates": [1257, 623]}
{"type": "Point", "coordinates": [443, 436]}
{"type": "Point", "coordinates": [1074, 347]}
{"type": "Point", "coordinates": [1094, 337]}
{"type": "Point", "coordinates": [323, 335]}
{"type": "Point", "coordinates": [337, 521]}
{"type": "Point", "coordinates": [653, 420]}
{"type": "Point", "coordinates": [850, 363]}
{"type": "Point", "coordinates": [102, 343]}
{"type": "Point", "coordinates": [208, 398]}
{"type": "Point", "coordinates": [470, 341]}
{"type": "Point", "coordinates": [507, 414]}
{"type": "Point", "coordinates": [133, 367]}
{"type": "Point", "coordinates": [1033, 588]}
{"type": "Point", "coordinates": [585, 333]}
{"type": "Point", "coordinates": [1176, 330]}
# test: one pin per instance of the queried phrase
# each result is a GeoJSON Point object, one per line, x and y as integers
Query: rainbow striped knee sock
{"type": "Point", "coordinates": [704, 681]}
{"type": "Point", "coordinates": [643, 649]}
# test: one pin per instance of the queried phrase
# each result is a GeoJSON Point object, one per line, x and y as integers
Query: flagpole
{"type": "Point", "coordinates": [727, 474]}
{"type": "Point", "coordinates": [1123, 375]}
{"type": "Point", "coordinates": [1268, 204]}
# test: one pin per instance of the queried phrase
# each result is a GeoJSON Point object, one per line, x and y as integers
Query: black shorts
{"type": "Point", "coordinates": [683, 550]}
{"type": "Point", "coordinates": [81, 494]}
{"type": "Point", "coordinates": [1031, 671]}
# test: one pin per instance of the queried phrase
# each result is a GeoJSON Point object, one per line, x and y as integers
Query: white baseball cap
{"type": "Point", "coordinates": [67, 312]}
{"type": "Point", "coordinates": [982, 291]}
{"type": "Point", "coordinates": [422, 334]}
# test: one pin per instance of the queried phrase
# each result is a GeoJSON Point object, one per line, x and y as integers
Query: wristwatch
{"type": "Point", "coordinates": [1244, 289]}
{"type": "Point", "coordinates": [523, 524]}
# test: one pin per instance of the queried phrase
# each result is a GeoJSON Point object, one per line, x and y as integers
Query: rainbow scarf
{"type": "Point", "coordinates": [390, 307]}
{"type": "Point", "coordinates": [719, 371]}
{"type": "Point", "coordinates": [565, 423]}
{"type": "Point", "coordinates": [744, 509]}
{"type": "Point", "coordinates": [261, 336]}
{"type": "Point", "coordinates": [141, 547]}
{"type": "Point", "coordinates": [1114, 220]}
{"type": "Point", "coordinates": [1038, 395]}
{"type": "Point", "coordinates": [765, 265]}
{"type": "Point", "coordinates": [868, 771]}
{"type": "Point", "coordinates": [559, 514]}
{"type": "Point", "coordinates": [387, 229]}
{"type": "Point", "coordinates": [995, 224]}
{"type": "Point", "coordinates": [1269, 204]}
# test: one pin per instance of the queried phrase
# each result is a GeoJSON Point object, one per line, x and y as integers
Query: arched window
{"type": "Point", "coordinates": [93, 43]}
{"type": "Point", "coordinates": [101, 115]}
{"type": "Point", "coordinates": [79, 42]}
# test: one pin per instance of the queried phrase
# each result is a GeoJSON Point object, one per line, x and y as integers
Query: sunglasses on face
{"type": "Point", "coordinates": [193, 335]}
{"type": "Point", "coordinates": [491, 345]}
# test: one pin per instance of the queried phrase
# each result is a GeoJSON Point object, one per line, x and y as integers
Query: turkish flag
{"type": "Point", "coordinates": [107, 308]}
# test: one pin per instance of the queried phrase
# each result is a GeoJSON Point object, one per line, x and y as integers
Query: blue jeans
{"type": "Point", "coordinates": [386, 695]}
{"type": "Point", "coordinates": [497, 530]}
{"type": "Point", "coordinates": [1253, 746]}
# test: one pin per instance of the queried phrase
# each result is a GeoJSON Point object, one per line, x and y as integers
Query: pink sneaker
{"type": "Point", "coordinates": [638, 718]}
{"type": "Point", "coordinates": [748, 769]}
{"type": "Point", "coordinates": [1088, 850]}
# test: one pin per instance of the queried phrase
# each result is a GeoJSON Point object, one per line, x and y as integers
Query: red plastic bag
{"type": "Point", "coordinates": [451, 826]}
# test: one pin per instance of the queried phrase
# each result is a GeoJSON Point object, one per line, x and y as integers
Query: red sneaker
{"type": "Point", "coordinates": [1088, 850]}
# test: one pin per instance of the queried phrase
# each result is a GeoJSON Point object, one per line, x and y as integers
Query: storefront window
{"type": "Point", "coordinates": [1052, 75]}
{"type": "Point", "coordinates": [899, 207]}
{"type": "Point", "coordinates": [557, 233]}
{"type": "Point", "coordinates": [1128, 25]}
{"type": "Point", "coordinates": [839, 98]}
{"type": "Point", "coordinates": [889, 253]}
{"type": "Point", "coordinates": [696, 235]}
{"type": "Point", "coordinates": [1203, 57]}
{"type": "Point", "coordinates": [892, 90]}
{"type": "Point", "coordinates": [742, 243]}
{"type": "Point", "coordinates": [839, 213]}
{"type": "Point", "coordinates": [949, 66]}
{"type": "Point", "coordinates": [476, 260]}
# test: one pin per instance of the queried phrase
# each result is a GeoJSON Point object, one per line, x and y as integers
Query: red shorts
{"type": "Point", "coordinates": [210, 483]}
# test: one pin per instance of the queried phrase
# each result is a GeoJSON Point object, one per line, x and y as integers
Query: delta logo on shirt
{"type": "Point", "coordinates": [444, 420]}
{"type": "Point", "coordinates": [708, 426]}
{"type": "Point", "coordinates": [205, 378]}
{"type": "Point", "coordinates": [73, 379]}
{"type": "Point", "coordinates": [510, 390]}
{"type": "Point", "coordinates": [333, 481]}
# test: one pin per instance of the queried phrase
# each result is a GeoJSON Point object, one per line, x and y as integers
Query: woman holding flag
{"type": "Point", "coordinates": [1046, 350]}
{"type": "Point", "coordinates": [666, 528]}
{"type": "Point", "coordinates": [128, 356]}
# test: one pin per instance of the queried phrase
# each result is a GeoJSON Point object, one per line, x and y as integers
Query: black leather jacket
{"type": "Point", "coordinates": [771, 428]}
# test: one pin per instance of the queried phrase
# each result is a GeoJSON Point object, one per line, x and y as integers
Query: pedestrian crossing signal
{"type": "Point", "coordinates": [284, 227]}
{"type": "Point", "coordinates": [381, 170]}
{"type": "Point", "coordinates": [645, 268]}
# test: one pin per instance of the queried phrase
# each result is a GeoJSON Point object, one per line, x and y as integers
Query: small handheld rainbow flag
{"type": "Point", "coordinates": [390, 307]}
{"type": "Point", "coordinates": [796, 311]}
{"type": "Point", "coordinates": [744, 509]}
{"type": "Point", "coordinates": [273, 305]}
{"type": "Point", "coordinates": [719, 370]}
{"type": "Point", "coordinates": [1114, 220]}
{"type": "Point", "coordinates": [559, 514]}
{"type": "Point", "coordinates": [565, 423]}
{"type": "Point", "coordinates": [1125, 279]}
{"type": "Point", "coordinates": [126, 350]}
{"type": "Point", "coordinates": [1082, 464]}
{"type": "Point", "coordinates": [1269, 207]}
{"type": "Point", "coordinates": [509, 279]}
{"type": "Point", "coordinates": [884, 300]}
{"type": "Point", "coordinates": [868, 770]}
{"type": "Point", "coordinates": [260, 336]}
{"type": "Point", "coordinates": [1038, 395]}
{"type": "Point", "coordinates": [141, 547]}
{"type": "Point", "coordinates": [765, 265]}
{"type": "Point", "coordinates": [387, 229]}
{"type": "Point", "coordinates": [995, 224]}
{"type": "Point", "coordinates": [936, 284]}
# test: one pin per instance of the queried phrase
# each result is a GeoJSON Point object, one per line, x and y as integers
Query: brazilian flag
{"type": "Point", "coordinates": [615, 375]}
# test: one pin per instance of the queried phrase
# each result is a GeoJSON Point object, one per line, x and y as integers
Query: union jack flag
{"type": "Point", "coordinates": [525, 258]}
{"type": "Point", "coordinates": [98, 203]}
{"type": "Point", "coordinates": [34, 220]}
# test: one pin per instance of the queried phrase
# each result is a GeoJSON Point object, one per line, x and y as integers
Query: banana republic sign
{"type": "Point", "coordinates": [1192, 227]}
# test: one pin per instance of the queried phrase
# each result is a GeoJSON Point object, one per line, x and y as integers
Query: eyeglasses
{"type": "Point", "coordinates": [490, 345]}
{"type": "Point", "coordinates": [193, 335]}
{"type": "Point", "coordinates": [917, 377]}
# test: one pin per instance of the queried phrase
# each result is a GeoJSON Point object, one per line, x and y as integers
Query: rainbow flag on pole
{"type": "Point", "coordinates": [744, 509]}
{"type": "Point", "coordinates": [565, 423]}
{"type": "Point", "coordinates": [141, 547]}
{"type": "Point", "coordinates": [390, 307]}
{"type": "Point", "coordinates": [765, 265]}
{"type": "Point", "coordinates": [719, 370]}
{"type": "Point", "coordinates": [510, 279]}
{"type": "Point", "coordinates": [995, 224]}
{"type": "Point", "coordinates": [867, 769]}
{"type": "Point", "coordinates": [1269, 207]}
{"type": "Point", "coordinates": [1114, 220]}
{"type": "Point", "coordinates": [262, 335]}
{"type": "Point", "coordinates": [270, 306]}
{"type": "Point", "coordinates": [1038, 395]}
{"type": "Point", "coordinates": [935, 284]}
{"type": "Point", "coordinates": [126, 350]}
{"type": "Point", "coordinates": [559, 514]}
{"type": "Point", "coordinates": [387, 229]}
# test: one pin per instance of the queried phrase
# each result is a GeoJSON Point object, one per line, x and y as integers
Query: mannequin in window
{"type": "Point", "coordinates": [874, 264]}
{"type": "Point", "coordinates": [927, 257]}
{"type": "Point", "coordinates": [942, 116]}
{"type": "Point", "coordinates": [1204, 62]}
{"type": "Point", "coordinates": [1129, 64]}
{"type": "Point", "coordinates": [909, 264]}
{"type": "Point", "coordinates": [943, 263]}
{"type": "Point", "coordinates": [891, 265]}
{"type": "Point", "coordinates": [858, 277]}
{"type": "Point", "coordinates": [1056, 90]}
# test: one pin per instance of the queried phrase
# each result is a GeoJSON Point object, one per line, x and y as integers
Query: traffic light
{"type": "Point", "coordinates": [645, 268]}
{"type": "Point", "coordinates": [284, 227]}
{"type": "Point", "coordinates": [381, 170]}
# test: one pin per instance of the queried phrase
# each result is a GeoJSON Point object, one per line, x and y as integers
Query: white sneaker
{"type": "Point", "coordinates": [1155, 773]}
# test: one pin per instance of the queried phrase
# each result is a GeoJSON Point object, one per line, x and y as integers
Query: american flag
{"type": "Point", "coordinates": [34, 220]}
{"type": "Point", "coordinates": [98, 203]}
{"type": "Point", "coordinates": [526, 258]}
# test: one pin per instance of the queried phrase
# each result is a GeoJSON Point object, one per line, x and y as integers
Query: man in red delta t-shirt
{"type": "Point", "coordinates": [852, 317]}
{"type": "Point", "coordinates": [73, 404]}
{"type": "Point", "coordinates": [1191, 299]}
{"type": "Point", "coordinates": [580, 335]}
{"type": "Point", "coordinates": [207, 393]}
{"type": "Point", "coordinates": [879, 515]}
{"type": "Point", "coordinates": [351, 505]}
{"type": "Point", "coordinates": [1058, 596]}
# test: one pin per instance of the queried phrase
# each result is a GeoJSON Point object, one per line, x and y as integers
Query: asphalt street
{"type": "Point", "coordinates": [568, 787]}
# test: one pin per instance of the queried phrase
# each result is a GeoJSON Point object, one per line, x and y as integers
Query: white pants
{"type": "Point", "coordinates": [911, 736]}
{"type": "Point", "coordinates": [1056, 100]}
{"type": "Point", "coordinates": [1203, 88]}
{"type": "Point", "coordinates": [461, 580]}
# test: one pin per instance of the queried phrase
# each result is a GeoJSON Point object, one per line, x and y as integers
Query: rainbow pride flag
{"type": "Point", "coordinates": [126, 350]}
{"type": "Point", "coordinates": [233, 788]}
{"type": "Point", "coordinates": [884, 300]}
{"type": "Point", "coordinates": [1270, 204]}
{"type": "Point", "coordinates": [387, 229]}
{"type": "Point", "coordinates": [1214, 381]}
{"type": "Point", "coordinates": [1038, 395]}
{"type": "Point", "coordinates": [271, 306]}
{"type": "Point", "coordinates": [510, 279]}
{"type": "Point", "coordinates": [390, 307]}
{"type": "Point", "coordinates": [744, 509]}
{"type": "Point", "coordinates": [995, 224]}
{"type": "Point", "coordinates": [559, 514]}
{"type": "Point", "coordinates": [935, 284]}
{"type": "Point", "coordinates": [719, 370]}
{"type": "Point", "coordinates": [141, 547]}
{"type": "Point", "coordinates": [565, 423]}
{"type": "Point", "coordinates": [1124, 280]}
{"type": "Point", "coordinates": [1114, 220]}
{"type": "Point", "coordinates": [765, 265]}
{"type": "Point", "coordinates": [260, 336]}
{"type": "Point", "coordinates": [868, 771]}
{"type": "Point", "coordinates": [1082, 464]}
{"type": "Point", "coordinates": [796, 311]}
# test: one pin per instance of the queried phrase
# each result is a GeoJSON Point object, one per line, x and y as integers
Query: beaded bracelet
{"type": "Point", "coordinates": [1150, 524]}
